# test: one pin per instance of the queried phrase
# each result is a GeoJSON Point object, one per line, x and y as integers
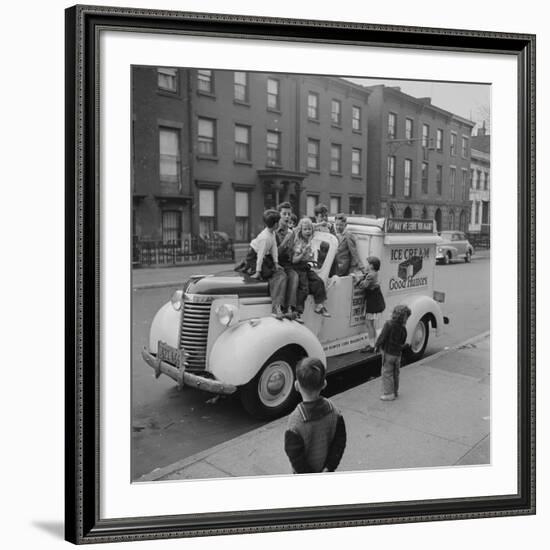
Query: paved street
{"type": "Point", "coordinates": [169, 425]}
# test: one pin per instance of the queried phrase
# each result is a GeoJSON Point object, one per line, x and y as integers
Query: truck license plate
{"type": "Point", "coordinates": [170, 355]}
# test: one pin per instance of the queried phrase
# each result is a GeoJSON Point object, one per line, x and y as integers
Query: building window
{"type": "Point", "coordinates": [425, 135]}
{"type": "Point", "coordinates": [439, 140]}
{"type": "Point", "coordinates": [242, 142]}
{"type": "Point", "coordinates": [356, 205]}
{"type": "Point", "coordinates": [242, 216]}
{"type": "Point", "coordinates": [407, 213]}
{"type": "Point", "coordinates": [453, 144]}
{"type": "Point", "coordinates": [207, 211]}
{"type": "Point", "coordinates": [452, 181]}
{"type": "Point", "coordinates": [407, 177]}
{"type": "Point", "coordinates": [313, 106]}
{"type": "Point", "coordinates": [464, 147]}
{"type": "Point", "coordinates": [240, 86]}
{"type": "Point", "coordinates": [356, 162]}
{"type": "Point", "coordinates": [473, 178]}
{"type": "Point", "coordinates": [408, 128]}
{"type": "Point", "coordinates": [313, 148]}
{"type": "Point", "coordinates": [336, 112]}
{"type": "Point", "coordinates": [465, 190]}
{"type": "Point", "coordinates": [439, 179]}
{"type": "Point", "coordinates": [486, 186]}
{"type": "Point", "coordinates": [392, 122]}
{"type": "Point", "coordinates": [207, 137]}
{"type": "Point", "coordinates": [169, 148]}
{"type": "Point", "coordinates": [171, 226]}
{"type": "Point", "coordinates": [205, 81]}
{"type": "Point", "coordinates": [425, 178]}
{"type": "Point", "coordinates": [335, 205]}
{"type": "Point", "coordinates": [273, 148]}
{"type": "Point", "coordinates": [390, 176]}
{"type": "Point", "coordinates": [311, 203]}
{"type": "Point", "coordinates": [273, 94]}
{"type": "Point", "coordinates": [477, 207]}
{"type": "Point", "coordinates": [424, 213]}
{"type": "Point", "coordinates": [168, 79]}
{"type": "Point", "coordinates": [356, 118]}
{"type": "Point", "coordinates": [335, 158]}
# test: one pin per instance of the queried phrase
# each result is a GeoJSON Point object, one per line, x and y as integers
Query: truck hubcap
{"type": "Point", "coordinates": [275, 384]}
{"type": "Point", "coordinates": [418, 337]}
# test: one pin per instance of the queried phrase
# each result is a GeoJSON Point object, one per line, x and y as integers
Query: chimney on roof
{"type": "Point", "coordinates": [425, 100]}
{"type": "Point", "coordinates": [397, 88]}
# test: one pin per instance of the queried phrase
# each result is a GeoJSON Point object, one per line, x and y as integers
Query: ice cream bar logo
{"type": "Point", "coordinates": [410, 267]}
{"type": "Point", "coordinates": [406, 275]}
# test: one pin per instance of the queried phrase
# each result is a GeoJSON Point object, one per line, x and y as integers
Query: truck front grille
{"type": "Point", "coordinates": [194, 333]}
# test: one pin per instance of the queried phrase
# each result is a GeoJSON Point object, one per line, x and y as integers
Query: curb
{"type": "Point", "coordinates": [158, 473]}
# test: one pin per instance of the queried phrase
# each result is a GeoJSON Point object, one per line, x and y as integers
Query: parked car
{"type": "Point", "coordinates": [454, 246]}
{"type": "Point", "coordinates": [217, 333]}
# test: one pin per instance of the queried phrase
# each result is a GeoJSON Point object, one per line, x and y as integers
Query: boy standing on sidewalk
{"type": "Point", "coordinates": [392, 341]}
{"type": "Point", "coordinates": [315, 438]}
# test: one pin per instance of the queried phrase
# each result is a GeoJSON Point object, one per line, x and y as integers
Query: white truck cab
{"type": "Point", "coordinates": [217, 332]}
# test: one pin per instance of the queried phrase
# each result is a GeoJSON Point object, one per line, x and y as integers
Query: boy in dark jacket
{"type": "Point", "coordinates": [392, 341]}
{"type": "Point", "coordinates": [315, 438]}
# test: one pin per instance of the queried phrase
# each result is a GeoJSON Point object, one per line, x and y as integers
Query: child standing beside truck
{"type": "Point", "coordinates": [392, 341]}
{"type": "Point", "coordinates": [375, 300]}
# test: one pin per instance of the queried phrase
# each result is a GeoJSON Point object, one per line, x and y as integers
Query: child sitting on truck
{"type": "Point", "coordinates": [309, 281]}
{"type": "Point", "coordinates": [262, 262]}
{"type": "Point", "coordinates": [315, 438]}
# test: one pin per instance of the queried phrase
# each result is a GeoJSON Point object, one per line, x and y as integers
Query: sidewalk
{"type": "Point", "coordinates": [441, 418]}
{"type": "Point", "coordinates": [157, 277]}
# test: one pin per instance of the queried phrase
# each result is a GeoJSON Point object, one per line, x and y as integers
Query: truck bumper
{"type": "Point", "coordinates": [184, 378]}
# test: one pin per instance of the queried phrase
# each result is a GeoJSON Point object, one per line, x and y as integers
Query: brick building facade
{"type": "Point", "coordinates": [418, 159]}
{"type": "Point", "coordinates": [480, 192]}
{"type": "Point", "coordinates": [212, 149]}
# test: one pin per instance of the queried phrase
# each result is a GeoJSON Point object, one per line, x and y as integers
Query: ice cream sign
{"type": "Point", "coordinates": [407, 265]}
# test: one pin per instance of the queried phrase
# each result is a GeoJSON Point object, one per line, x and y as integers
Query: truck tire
{"type": "Point", "coordinates": [419, 341]}
{"type": "Point", "coordinates": [447, 258]}
{"type": "Point", "coordinates": [271, 394]}
{"type": "Point", "coordinates": [468, 257]}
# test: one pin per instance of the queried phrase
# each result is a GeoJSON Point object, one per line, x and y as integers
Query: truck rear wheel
{"type": "Point", "coordinates": [271, 392]}
{"type": "Point", "coordinates": [419, 340]}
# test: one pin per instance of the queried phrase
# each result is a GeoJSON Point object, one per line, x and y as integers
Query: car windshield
{"type": "Point", "coordinates": [447, 234]}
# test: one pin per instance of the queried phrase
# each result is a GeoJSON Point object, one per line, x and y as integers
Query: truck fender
{"type": "Point", "coordinates": [165, 327]}
{"type": "Point", "coordinates": [240, 352]}
{"type": "Point", "coordinates": [419, 306]}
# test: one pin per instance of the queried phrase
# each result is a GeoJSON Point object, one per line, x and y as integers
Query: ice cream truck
{"type": "Point", "coordinates": [217, 333]}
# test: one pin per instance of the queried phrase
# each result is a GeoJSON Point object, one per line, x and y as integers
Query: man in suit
{"type": "Point", "coordinates": [347, 258]}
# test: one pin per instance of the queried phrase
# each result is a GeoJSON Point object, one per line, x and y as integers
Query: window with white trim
{"type": "Point", "coordinates": [356, 162]}
{"type": "Point", "coordinates": [242, 216]}
{"type": "Point", "coordinates": [240, 86]}
{"type": "Point", "coordinates": [205, 81]}
{"type": "Point", "coordinates": [207, 211]}
{"type": "Point", "coordinates": [407, 168]}
{"type": "Point", "coordinates": [169, 158]}
{"type": "Point", "coordinates": [390, 175]}
{"type": "Point", "coordinates": [167, 79]}
{"type": "Point", "coordinates": [242, 142]}
{"type": "Point", "coordinates": [207, 136]}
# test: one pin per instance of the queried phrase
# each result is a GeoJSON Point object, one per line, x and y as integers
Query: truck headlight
{"type": "Point", "coordinates": [440, 250]}
{"type": "Point", "coordinates": [177, 300]}
{"type": "Point", "coordinates": [227, 314]}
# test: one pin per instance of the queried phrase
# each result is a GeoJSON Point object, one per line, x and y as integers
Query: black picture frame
{"type": "Point", "coordinates": [82, 521]}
